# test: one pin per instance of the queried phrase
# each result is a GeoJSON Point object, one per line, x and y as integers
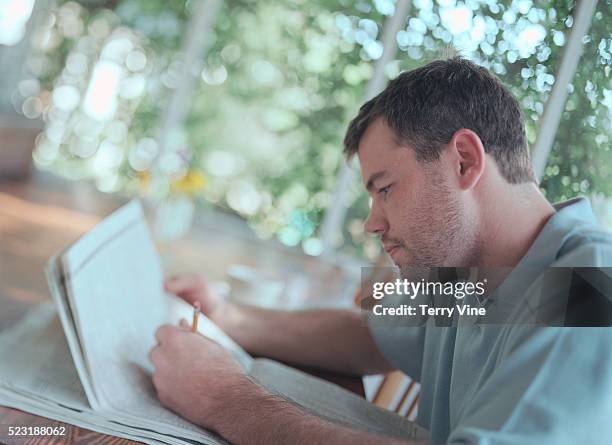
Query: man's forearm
{"type": "Point", "coordinates": [334, 340]}
{"type": "Point", "coordinates": [280, 422]}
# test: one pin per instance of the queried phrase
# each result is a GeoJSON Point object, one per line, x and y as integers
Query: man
{"type": "Point", "coordinates": [444, 156]}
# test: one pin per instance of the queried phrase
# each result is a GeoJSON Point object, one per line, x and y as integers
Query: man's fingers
{"type": "Point", "coordinates": [183, 283]}
{"type": "Point", "coordinates": [154, 355]}
{"type": "Point", "coordinates": [164, 333]}
{"type": "Point", "coordinates": [156, 382]}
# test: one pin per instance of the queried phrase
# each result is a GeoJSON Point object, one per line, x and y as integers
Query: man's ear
{"type": "Point", "coordinates": [468, 158]}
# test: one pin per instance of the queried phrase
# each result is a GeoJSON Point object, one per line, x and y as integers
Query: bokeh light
{"type": "Point", "coordinates": [274, 93]}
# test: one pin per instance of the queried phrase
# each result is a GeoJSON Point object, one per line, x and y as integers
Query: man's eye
{"type": "Point", "coordinates": [384, 191]}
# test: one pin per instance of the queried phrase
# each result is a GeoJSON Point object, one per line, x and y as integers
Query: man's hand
{"type": "Point", "coordinates": [194, 375]}
{"type": "Point", "coordinates": [192, 288]}
{"type": "Point", "coordinates": [200, 381]}
{"type": "Point", "coordinates": [326, 339]}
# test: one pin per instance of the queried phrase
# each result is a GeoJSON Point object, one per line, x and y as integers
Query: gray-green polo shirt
{"type": "Point", "coordinates": [516, 384]}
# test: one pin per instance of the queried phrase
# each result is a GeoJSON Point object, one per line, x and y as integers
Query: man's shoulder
{"type": "Point", "coordinates": [586, 246]}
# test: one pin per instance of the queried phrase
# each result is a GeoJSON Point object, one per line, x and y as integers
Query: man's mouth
{"type": "Point", "coordinates": [391, 248]}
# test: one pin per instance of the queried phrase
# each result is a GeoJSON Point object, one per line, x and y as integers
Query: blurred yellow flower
{"type": "Point", "coordinates": [144, 180]}
{"type": "Point", "coordinates": [190, 184]}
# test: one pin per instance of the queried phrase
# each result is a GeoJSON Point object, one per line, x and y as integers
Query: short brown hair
{"type": "Point", "coordinates": [426, 106]}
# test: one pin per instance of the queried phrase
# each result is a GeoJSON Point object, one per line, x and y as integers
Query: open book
{"type": "Point", "coordinates": [90, 367]}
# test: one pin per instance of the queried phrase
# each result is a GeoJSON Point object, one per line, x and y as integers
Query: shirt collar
{"type": "Point", "coordinates": [569, 216]}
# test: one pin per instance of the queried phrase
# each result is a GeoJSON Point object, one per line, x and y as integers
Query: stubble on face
{"type": "Point", "coordinates": [437, 232]}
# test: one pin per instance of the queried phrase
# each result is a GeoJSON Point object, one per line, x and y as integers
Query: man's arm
{"type": "Point", "coordinates": [281, 422]}
{"type": "Point", "coordinates": [333, 340]}
{"type": "Point", "coordinates": [201, 381]}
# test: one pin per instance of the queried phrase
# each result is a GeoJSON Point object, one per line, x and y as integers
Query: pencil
{"type": "Point", "coordinates": [196, 316]}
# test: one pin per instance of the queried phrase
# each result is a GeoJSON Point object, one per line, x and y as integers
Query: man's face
{"type": "Point", "coordinates": [420, 219]}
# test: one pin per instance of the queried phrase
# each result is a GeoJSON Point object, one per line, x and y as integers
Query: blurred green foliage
{"type": "Point", "coordinates": [281, 81]}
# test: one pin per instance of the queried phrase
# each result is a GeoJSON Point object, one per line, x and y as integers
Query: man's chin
{"type": "Point", "coordinates": [415, 273]}
{"type": "Point", "coordinates": [404, 262]}
{"type": "Point", "coordinates": [409, 266]}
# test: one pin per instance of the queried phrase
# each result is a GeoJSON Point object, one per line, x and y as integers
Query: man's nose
{"type": "Point", "coordinates": [377, 222]}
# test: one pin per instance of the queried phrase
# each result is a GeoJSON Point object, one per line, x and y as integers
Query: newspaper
{"type": "Point", "coordinates": [91, 365]}
{"type": "Point", "coordinates": [40, 378]}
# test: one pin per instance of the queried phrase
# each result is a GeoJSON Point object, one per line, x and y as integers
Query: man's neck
{"type": "Point", "coordinates": [512, 223]}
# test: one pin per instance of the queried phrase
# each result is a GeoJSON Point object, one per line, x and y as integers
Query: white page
{"type": "Point", "coordinates": [55, 281]}
{"type": "Point", "coordinates": [23, 403]}
{"type": "Point", "coordinates": [40, 378]}
{"type": "Point", "coordinates": [40, 361]}
{"type": "Point", "coordinates": [115, 288]}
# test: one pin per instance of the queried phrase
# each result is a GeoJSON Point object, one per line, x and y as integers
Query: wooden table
{"type": "Point", "coordinates": [40, 217]}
